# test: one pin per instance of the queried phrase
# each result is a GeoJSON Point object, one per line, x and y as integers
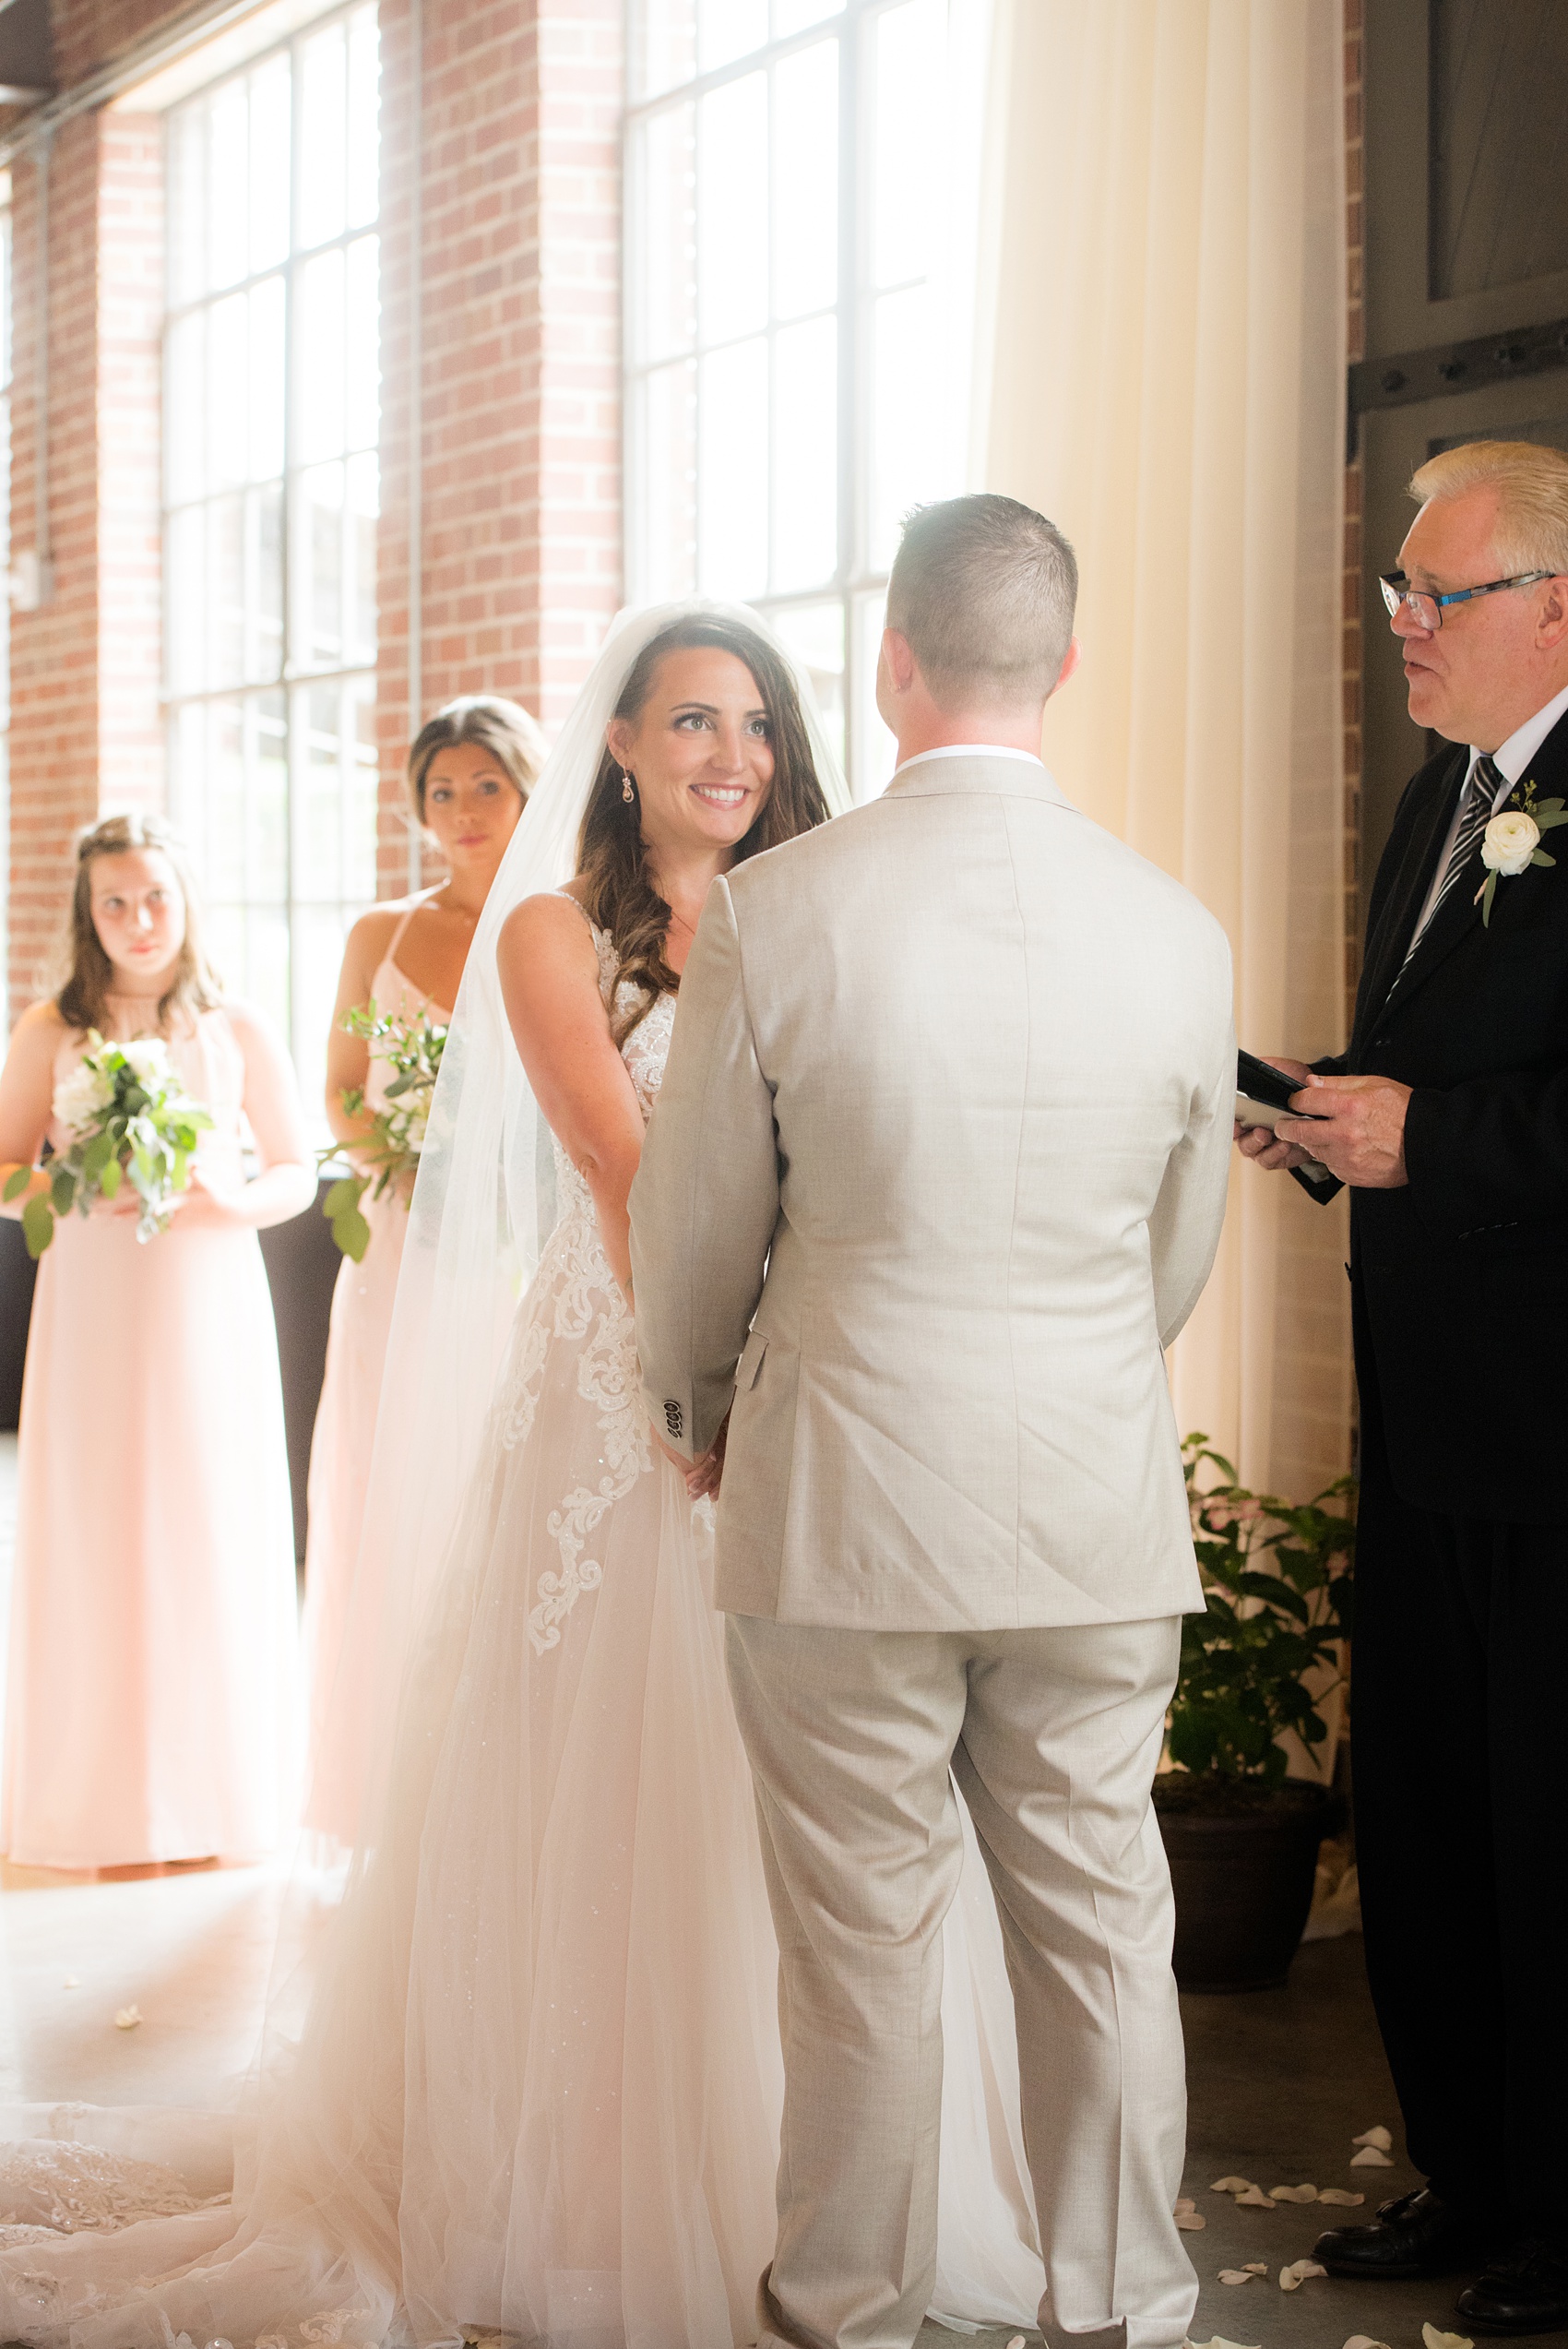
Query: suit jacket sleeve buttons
{"type": "Point", "coordinates": [674, 1418]}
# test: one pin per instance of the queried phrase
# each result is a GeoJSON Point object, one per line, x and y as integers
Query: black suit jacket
{"type": "Point", "coordinates": [1460, 1279]}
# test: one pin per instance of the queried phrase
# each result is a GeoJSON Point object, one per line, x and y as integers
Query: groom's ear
{"type": "Point", "coordinates": [1074, 654]}
{"type": "Point", "coordinates": [899, 661]}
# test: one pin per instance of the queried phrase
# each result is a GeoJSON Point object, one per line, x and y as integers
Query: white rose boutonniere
{"type": "Point", "coordinates": [1511, 842]}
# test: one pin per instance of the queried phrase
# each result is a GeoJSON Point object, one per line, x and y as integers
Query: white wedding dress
{"type": "Point", "coordinates": [538, 2088]}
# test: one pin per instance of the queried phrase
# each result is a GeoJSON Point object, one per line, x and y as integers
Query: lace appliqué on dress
{"type": "Point", "coordinates": [575, 1292]}
{"type": "Point", "coordinates": [48, 2189]}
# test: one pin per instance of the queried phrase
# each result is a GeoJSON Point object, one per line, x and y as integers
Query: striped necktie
{"type": "Point", "coordinates": [1480, 797]}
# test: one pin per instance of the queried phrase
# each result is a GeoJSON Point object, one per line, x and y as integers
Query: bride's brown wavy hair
{"type": "Point", "coordinates": [620, 896]}
{"type": "Point", "coordinates": [83, 999]}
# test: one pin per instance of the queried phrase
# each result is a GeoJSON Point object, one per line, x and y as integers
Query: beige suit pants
{"type": "Point", "coordinates": [1053, 1735]}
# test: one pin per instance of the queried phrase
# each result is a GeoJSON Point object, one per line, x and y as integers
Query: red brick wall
{"type": "Point", "coordinates": [54, 716]}
{"type": "Point", "coordinates": [520, 367]}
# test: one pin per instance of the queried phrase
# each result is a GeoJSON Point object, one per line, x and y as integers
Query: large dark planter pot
{"type": "Point", "coordinates": [1244, 1884]}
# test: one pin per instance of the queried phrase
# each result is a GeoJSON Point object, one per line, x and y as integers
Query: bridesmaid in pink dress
{"type": "Point", "coordinates": [470, 770]}
{"type": "Point", "coordinates": [151, 1709]}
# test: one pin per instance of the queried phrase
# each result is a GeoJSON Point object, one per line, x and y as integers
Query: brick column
{"type": "Point", "coordinates": [520, 238]}
{"type": "Point", "coordinates": [85, 662]}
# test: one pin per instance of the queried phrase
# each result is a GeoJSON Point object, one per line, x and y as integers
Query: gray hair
{"type": "Point", "coordinates": [1531, 481]}
{"type": "Point", "coordinates": [984, 589]}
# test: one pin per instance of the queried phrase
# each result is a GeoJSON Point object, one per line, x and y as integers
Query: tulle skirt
{"type": "Point", "coordinates": [538, 2086]}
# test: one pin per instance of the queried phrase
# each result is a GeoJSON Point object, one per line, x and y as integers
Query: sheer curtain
{"type": "Point", "coordinates": [1160, 367]}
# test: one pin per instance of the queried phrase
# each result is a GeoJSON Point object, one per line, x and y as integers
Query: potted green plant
{"type": "Point", "coordinates": [1241, 1836]}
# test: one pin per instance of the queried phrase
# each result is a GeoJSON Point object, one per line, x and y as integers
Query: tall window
{"type": "Point", "coordinates": [783, 402]}
{"type": "Point", "coordinates": [270, 429]}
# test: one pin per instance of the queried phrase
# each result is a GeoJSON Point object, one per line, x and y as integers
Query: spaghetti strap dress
{"type": "Point", "coordinates": [151, 1709]}
{"type": "Point", "coordinates": [336, 1677]}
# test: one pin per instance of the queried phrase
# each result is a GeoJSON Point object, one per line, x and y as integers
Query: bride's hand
{"type": "Point", "coordinates": [704, 1475]}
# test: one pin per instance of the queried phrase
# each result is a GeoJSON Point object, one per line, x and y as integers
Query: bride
{"type": "Point", "coordinates": [537, 2088]}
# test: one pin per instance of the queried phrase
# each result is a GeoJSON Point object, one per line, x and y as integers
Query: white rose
{"type": "Point", "coordinates": [81, 1099]}
{"type": "Point", "coordinates": [148, 1056]}
{"type": "Point", "coordinates": [1509, 841]}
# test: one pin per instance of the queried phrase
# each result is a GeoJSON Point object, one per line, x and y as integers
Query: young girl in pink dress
{"type": "Point", "coordinates": [470, 771]}
{"type": "Point", "coordinates": [151, 1707]}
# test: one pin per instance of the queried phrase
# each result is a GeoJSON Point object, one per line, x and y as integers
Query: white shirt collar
{"type": "Point", "coordinates": [969, 750]}
{"type": "Point", "coordinates": [1514, 755]}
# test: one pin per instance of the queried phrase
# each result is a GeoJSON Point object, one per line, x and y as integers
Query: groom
{"type": "Point", "coordinates": [938, 1169]}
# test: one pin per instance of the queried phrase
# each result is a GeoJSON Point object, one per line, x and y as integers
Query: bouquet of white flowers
{"type": "Point", "coordinates": [391, 1151]}
{"type": "Point", "coordinates": [128, 1121]}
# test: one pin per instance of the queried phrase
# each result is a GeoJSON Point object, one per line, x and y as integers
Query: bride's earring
{"type": "Point", "coordinates": [628, 789]}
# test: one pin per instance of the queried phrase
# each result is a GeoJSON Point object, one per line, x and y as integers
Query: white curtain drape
{"type": "Point", "coordinates": [1160, 367]}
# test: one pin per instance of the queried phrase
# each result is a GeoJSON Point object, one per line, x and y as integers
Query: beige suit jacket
{"type": "Point", "coordinates": [938, 1168]}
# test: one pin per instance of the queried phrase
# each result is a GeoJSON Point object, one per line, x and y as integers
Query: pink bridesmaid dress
{"type": "Point", "coordinates": [337, 1675]}
{"type": "Point", "coordinates": [151, 1707]}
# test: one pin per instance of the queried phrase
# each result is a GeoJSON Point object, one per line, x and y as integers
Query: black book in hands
{"type": "Point", "coordinates": [1263, 1092]}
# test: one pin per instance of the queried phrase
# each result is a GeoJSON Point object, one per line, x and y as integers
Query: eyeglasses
{"type": "Point", "coordinates": [1427, 610]}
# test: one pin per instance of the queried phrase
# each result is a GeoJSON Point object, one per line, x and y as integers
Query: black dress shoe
{"type": "Point", "coordinates": [1526, 2291]}
{"type": "Point", "coordinates": [1418, 2234]}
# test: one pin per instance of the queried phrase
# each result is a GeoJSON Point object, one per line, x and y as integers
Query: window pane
{"type": "Point", "coordinates": [228, 392]}
{"type": "Point", "coordinates": [318, 389]}
{"type": "Point", "coordinates": [265, 521]}
{"type": "Point", "coordinates": [318, 567]}
{"type": "Point", "coordinates": [228, 188]}
{"type": "Point", "coordinates": [814, 634]}
{"type": "Point", "coordinates": [727, 29]}
{"type": "Point", "coordinates": [664, 45]}
{"type": "Point", "coordinates": [361, 790]}
{"type": "Point", "coordinates": [364, 135]}
{"type": "Point", "coordinates": [323, 139]}
{"type": "Point", "coordinates": [902, 467]}
{"type": "Point", "coordinates": [732, 215]}
{"type": "Point", "coordinates": [805, 454]}
{"type": "Point", "coordinates": [226, 590]}
{"type": "Point", "coordinates": [267, 831]}
{"type": "Point", "coordinates": [795, 16]}
{"type": "Point", "coordinates": [733, 471]}
{"type": "Point", "coordinates": [269, 165]}
{"type": "Point", "coordinates": [187, 206]}
{"type": "Point", "coordinates": [266, 355]}
{"type": "Point", "coordinates": [665, 163]}
{"type": "Point", "coordinates": [184, 407]}
{"type": "Point", "coordinates": [805, 181]}
{"type": "Point", "coordinates": [362, 337]}
{"type": "Point", "coordinates": [185, 600]}
{"type": "Point", "coordinates": [667, 466]}
{"type": "Point", "coordinates": [910, 50]}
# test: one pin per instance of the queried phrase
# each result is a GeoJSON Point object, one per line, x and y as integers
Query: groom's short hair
{"type": "Point", "coordinates": [983, 592]}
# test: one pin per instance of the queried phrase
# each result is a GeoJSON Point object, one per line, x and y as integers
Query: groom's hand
{"type": "Point", "coordinates": [702, 1476]}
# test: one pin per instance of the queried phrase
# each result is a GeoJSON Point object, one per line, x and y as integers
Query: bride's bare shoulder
{"type": "Point", "coordinates": [548, 933]}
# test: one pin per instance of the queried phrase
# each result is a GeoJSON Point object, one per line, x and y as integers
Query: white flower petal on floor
{"type": "Point", "coordinates": [71, 1982]}
{"type": "Point", "coordinates": [1378, 2137]}
{"type": "Point", "coordinates": [127, 2019]}
{"type": "Point", "coordinates": [1364, 2341]}
{"type": "Point", "coordinates": [1240, 2276]}
{"type": "Point", "coordinates": [1231, 2186]}
{"type": "Point", "coordinates": [1435, 2340]}
{"type": "Point", "coordinates": [1370, 2158]}
{"type": "Point", "coordinates": [1189, 2222]}
{"type": "Point", "coordinates": [1254, 2198]}
{"type": "Point", "coordinates": [1342, 2199]}
{"type": "Point", "coordinates": [1218, 2342]}
{"type": "Point", "coordinates": [1292, 2278]}
{"type": "Point", "coordinates": [1017, 2342]}
{"type": "Point", "coordinates": [1293, 2193]}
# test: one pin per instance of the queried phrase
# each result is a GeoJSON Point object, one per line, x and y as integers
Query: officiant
{"type": "Point", "coordinates": [1447, 1117]}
